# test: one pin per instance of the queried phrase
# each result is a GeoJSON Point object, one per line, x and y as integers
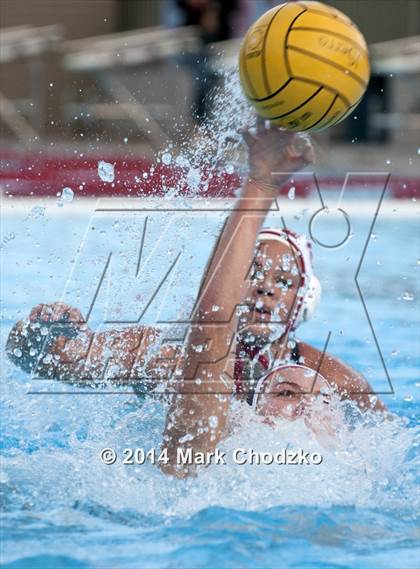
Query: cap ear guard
{"type": "Point", "coordinates": [312, 298]}
{"type": "Point", "coordinates": [309, 303]}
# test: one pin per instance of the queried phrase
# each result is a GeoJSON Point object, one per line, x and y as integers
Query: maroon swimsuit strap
{"type": "Point", "coordinates": [250, 351]}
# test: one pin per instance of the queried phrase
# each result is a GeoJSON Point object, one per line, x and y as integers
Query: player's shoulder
{"type": "Point", "coordinates": [308, 354]}
{"type": "Point", "coordinates": [320, 359]}
{"type": "Point", "coordinates": [329, 365]}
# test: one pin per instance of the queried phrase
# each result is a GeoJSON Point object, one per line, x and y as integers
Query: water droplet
{"type": "Point", "coordinates": [408, 296]}
{"type": "Point", "coordinates": [395, 353]}
{"type": "Point", "coordinates": [291, 193]}
{"type": "Point", "coordinates": [32, 352]}
{"type": "Point", "coordinates": [106, 171]}
{"type": "Point", "coordinates": [185, 438]}
{"type": "Point", "coordinates": [167, 158]}
{"type": "Point", "coordinates": [408, 398]}
{"type": "Point", "coordinates": [229, 169]}
{"type": "Point", "coordinates": [125, 140]}
{"type": "Point", "coordinates": [241, 310]}
{"type": "Point", "coordinates": [60, 202]}
{"type": "Point", "coordinates": [387, 161]}
{"type": "Point", "coordinates": [67, 194]}
{"type": "Point", "coordinates": [182, 161]}
{"type": "Point", "coordinates": [193, 178]}
{"type": "Point", "coordinates": [213, 421]}
{"type": "Point", "coordinates": [17, 352]}
{"type": "Point", "coordinates": [215, 308]}
{"type": "Point", "coordinates": [37, 211]}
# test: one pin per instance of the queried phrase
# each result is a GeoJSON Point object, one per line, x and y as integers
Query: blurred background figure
{"type": "Point", "coordinates": [214, 20]}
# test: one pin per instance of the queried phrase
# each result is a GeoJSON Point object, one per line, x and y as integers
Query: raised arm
{"type": "Point", "coordinates": [197, 417]}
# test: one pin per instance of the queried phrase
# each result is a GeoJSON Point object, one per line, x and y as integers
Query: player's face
{"type": "Point", "coordinates": [293, 392]}
{"type": "Point", "coordinates": [274, 281]}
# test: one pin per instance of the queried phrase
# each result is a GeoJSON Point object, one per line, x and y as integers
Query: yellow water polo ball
{"type": "Point", "coordinates": [304, 65]}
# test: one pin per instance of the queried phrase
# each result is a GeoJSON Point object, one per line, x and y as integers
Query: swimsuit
{"type": "Point", "coordinates": [251, 364]}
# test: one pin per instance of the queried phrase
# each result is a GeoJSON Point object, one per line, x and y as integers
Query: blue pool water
{"type": "Point", "coordinates": [64, 509]}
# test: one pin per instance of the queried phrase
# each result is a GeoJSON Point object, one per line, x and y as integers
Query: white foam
{"type": "Point", "coordinates": [366, 466]}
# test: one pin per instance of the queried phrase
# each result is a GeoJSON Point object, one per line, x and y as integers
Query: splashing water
{"type": "Point", "coordinates": [216, 144]}
{"type": "Point", "coordinates": [67, 194]}
{"type": "Point", "coordinates": [367, 466]}
{"type": "Point", "coordinates": [56, 469]}
{"type": "Point", "coordinates": [167, 158]}
{"type": "Point", "coordinates": [106, 171]}
{"type": "Point", "coordinates": [408, 296]}
{"type": "Point", "coordinates": [37, 212]}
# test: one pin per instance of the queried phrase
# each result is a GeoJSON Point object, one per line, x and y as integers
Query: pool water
{"type": "Point", "coordinates": [64, 509]}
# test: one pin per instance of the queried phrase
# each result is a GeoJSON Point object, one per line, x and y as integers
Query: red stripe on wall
{"type": "Point", "coordinates": [25, 174]}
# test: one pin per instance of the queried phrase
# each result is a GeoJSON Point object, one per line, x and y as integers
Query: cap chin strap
{"type": "Point", "coordinates": [309, 292]}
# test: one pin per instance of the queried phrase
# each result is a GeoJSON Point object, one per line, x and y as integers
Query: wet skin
{"type": "Point", "coordinates": [274, 282]}
{"type": "Point", "coordinates": [289, 392]}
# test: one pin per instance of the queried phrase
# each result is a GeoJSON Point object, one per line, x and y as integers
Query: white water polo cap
{"type": "Point", "coordinates": [309, 293]}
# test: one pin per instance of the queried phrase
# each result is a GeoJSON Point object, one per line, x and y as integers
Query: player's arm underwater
{"type": "Point", "coordinates": [349, 383]}
{"type": "Point", "coordinates": [197, 417]}
{"type": "Point", "coordinates": [55, 342]}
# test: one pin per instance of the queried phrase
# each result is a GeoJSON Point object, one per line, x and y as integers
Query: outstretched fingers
{"type": "Point", "coordinates": [301, 150]}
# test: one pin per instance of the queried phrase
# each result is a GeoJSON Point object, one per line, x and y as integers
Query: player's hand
{"type": "Point", "coordinates": [47, 325]}
{"type": "Point", "coordinates": [56, 312]}
{"type": "Point", "coordinates": [274, 153]}
{"type": "Point", "coordinates": [69, 320]}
